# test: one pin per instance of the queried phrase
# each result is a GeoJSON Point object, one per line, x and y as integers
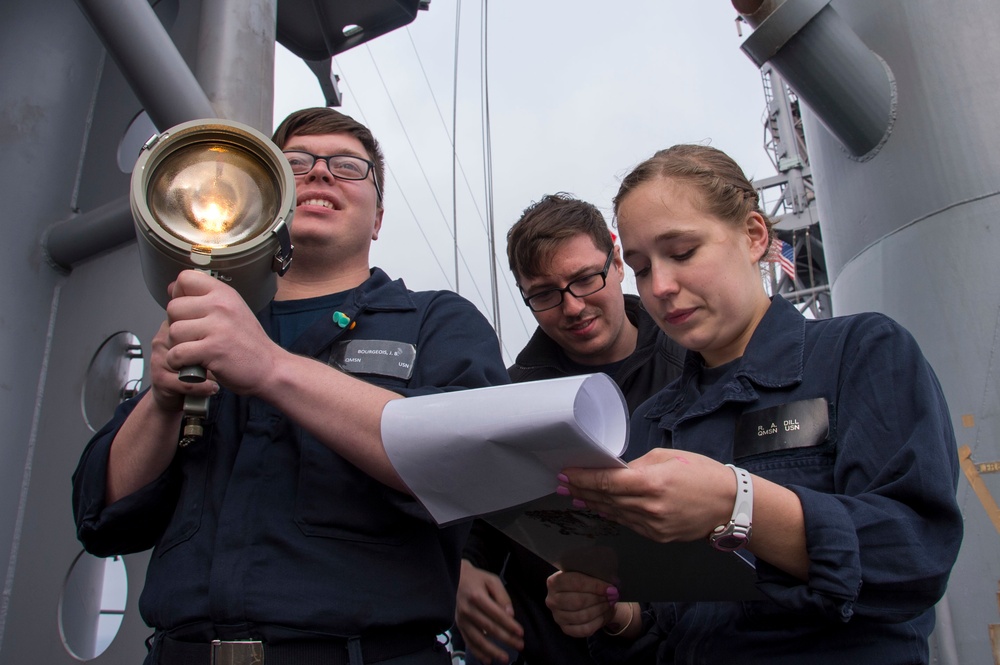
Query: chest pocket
{"type": "Point", "coordinates": [336, 500]}
{"type": "Point", "coordinates": [790, 444]}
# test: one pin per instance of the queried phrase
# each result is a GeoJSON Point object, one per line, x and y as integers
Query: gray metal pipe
{"type": "Point", "coordinates": [236, 59]}
{"type": "Point", "coordinates": [68, 242]}
{"type": "Point", "coordinates": [755, 11]}
{"type": "Point", "coordinates": [847, 86]}
{"type": "Point", "coordinates": [168, 91]}
{"type": "Point", "coordinates": [810, 291]}
{"type": "Point", "coordinates": [149, 60]}
{"type": "Point", "coordinates": [944, 633]}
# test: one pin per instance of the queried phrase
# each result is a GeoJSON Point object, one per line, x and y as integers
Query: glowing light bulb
{"type": "Point", "coordinates": [214, 212]}
{"type": "Point", "coordinates": [211, 196]}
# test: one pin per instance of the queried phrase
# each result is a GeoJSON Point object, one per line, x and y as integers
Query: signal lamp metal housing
{"type": "Point", "coordinates": [218, 196]}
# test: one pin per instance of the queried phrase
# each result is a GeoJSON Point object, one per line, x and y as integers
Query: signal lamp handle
{"type": "Point", "coordinates": [192, 374]}
{"type": "Point", "coordinates": [195, 408]}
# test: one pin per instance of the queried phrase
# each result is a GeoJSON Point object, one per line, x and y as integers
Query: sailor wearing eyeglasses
{"type": "Point", "coordinates": [285, 535]}
{"type": "Point", "coordinates": [569, 271]}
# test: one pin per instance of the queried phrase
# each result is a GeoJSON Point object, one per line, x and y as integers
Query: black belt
{"type": "Point", "coordinates": [302, 652]}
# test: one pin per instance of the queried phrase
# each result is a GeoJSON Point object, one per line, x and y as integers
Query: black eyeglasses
{"type": "Point", "coordinates": [344, 167]}
{"type": "Point", "coordinates": [584, 285]}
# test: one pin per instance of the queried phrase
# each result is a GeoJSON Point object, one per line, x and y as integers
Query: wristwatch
{"type": "Point", "coordinates": [735, 534]}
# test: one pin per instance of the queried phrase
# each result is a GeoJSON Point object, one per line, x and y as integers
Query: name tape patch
{"type": "Point", "coordinates": [794, 425]}
{"type": "Point", "coordinates": [374, 356]}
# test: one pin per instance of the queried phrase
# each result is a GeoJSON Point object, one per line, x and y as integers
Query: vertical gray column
{"type": "Point", "coordinates": [236, 59]}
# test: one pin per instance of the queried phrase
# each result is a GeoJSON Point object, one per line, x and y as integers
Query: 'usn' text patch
{"type": "Point", "coordinates": [380, 357]}
{"type": "Point", "coordinates": [794, 425]}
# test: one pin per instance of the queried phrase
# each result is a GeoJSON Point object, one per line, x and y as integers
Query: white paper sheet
{"type": "Point", "coordinates": [477, 451]}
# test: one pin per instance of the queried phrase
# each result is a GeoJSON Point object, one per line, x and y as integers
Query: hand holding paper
{"type": "Point", "coordinates": [497, 451]}
{"type": "Point", "coordinates": [477, 451]}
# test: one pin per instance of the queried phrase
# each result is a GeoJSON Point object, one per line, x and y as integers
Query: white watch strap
{"type": "Point", "coordinates": [743, 508]}
{"type": "Point", "coordinates": [735, 533]}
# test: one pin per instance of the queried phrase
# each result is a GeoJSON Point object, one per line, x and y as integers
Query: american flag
{"type": "Point", "coordinates": [784, 256]}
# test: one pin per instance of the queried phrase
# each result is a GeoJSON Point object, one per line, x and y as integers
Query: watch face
{"type": "Point", "coordinates": [729, 542]}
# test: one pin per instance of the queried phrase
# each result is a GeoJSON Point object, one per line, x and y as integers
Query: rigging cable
{"type": "Point", "coordinates": [423, 171]}
{"type": "Point", "coordinates": [454, 138]}
{"type": "Point", "coordinates": [488, 170]}
{"type": "Point", "coordinates": [465, 177]}
{"type": "Point", "coordinates": [399, 185]}
{"type": "Point", "coordinates": [459, 254]}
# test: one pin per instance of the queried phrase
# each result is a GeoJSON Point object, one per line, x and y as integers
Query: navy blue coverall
{"type": "Point", "coordinates": [848, 414]}
{"type": "Point", "coordinates": [260, 531]}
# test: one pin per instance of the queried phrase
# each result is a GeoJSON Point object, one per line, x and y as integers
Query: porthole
{"type": "Point", "coordinates": [92, 605]}
{"type": "Point", "coordinates": [114, 375]}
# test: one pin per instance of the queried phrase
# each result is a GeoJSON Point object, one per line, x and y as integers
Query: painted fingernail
{"type": "Point", "coordinates": [563, 478]}
{"type": "Point", "coordinates": [579, 503]}
{"type": "Point", "coordinates": [564, 491]}
{"type": "Point", "coordinates": [613, 594]}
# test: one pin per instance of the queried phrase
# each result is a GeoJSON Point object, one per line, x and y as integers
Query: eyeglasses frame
{"type": "Point", "coordinates": [326, 159]}
{"type": "Point", "coordinates": [568, 288]}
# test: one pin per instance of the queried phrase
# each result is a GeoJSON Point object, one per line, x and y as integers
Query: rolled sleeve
{"type": "Point", "coordinates": [883, 543]}
{"type": "Point", "coordinates": [131, 524]}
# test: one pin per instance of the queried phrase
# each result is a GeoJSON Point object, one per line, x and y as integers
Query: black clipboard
{"type": "Point", "coordinates": [643, 570]}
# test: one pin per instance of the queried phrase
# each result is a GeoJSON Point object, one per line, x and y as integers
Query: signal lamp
{"type": "Point", "coordinates": [217, 196]}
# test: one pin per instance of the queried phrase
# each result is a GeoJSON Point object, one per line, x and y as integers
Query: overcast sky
{"type": "Point", "coordinates": [579, 92]}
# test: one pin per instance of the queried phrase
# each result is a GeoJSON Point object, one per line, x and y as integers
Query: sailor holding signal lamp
{"type": "Point", "coordinates": [285, 533]}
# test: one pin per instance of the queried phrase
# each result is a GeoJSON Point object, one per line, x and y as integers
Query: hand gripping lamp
{"type": "Point", "coordinates": [217, 196]}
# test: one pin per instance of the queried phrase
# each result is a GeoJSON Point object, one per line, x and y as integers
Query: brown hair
{"type": "Point", "coordinates": [546, 223]}
{"type": "Point", "coordinates": [724, 190]}
{"type": "Point", "coordinates": [322, 120]}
